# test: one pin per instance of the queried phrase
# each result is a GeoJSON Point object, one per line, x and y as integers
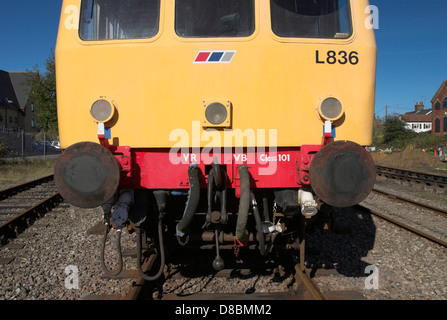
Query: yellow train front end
{"type": "Point", "coordinates": [271, 96]}
{"type": "Point", "coordinates": [275, 79]}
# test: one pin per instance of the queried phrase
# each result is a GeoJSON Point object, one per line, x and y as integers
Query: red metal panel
{"type": "Point", "coordinates": [164, 169]}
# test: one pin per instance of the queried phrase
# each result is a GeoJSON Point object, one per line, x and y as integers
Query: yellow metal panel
{"type": "Point", "coordinates": [272, 83]}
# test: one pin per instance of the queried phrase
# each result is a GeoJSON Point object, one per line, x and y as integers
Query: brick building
{"type": "Point", "coordinates": [439, 107]}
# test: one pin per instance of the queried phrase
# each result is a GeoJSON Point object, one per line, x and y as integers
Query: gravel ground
{"type": "Point", "coordinates": [407, 267]}
{"type": "Point", "coordinates": [58, 247]}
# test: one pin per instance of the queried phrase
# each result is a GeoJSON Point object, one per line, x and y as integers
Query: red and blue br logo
{"type": "Point", "coordinates": [224, 56]}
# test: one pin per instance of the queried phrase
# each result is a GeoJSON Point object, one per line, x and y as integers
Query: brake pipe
{"type": "Point", "coordinates": [244, 204]}
{"type": "Point", "coordinates": [193, 200]}
{"type": "Point", "coordinates": [160, 197]}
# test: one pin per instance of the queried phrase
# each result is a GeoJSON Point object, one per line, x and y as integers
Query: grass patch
{"type": "Point", "coordinates": [21, 171]}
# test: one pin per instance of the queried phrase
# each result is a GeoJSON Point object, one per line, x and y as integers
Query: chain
{"type": "Point", "coordinates": [237, 245]}
{"type": "Point", "coordinates": [180, 241]}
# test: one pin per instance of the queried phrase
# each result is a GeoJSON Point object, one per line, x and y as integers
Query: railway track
{"type": "Point", "coordinates": [23, 204]}
{"type": "Point", "coordinates": [254, 279]}
{"type": "Point", "coordinates": [442, 212]}
{"type": "Point", "coordinates": [426, 180]}
{"type": "Point", "coordinates": [405, 222]}
{"type": "Point", "coordinates": [304, 288]}
{"type": "Point", "coordinates": [429, 182]}
{"type": "Point", "coordinates": [141, 290]}
{"type": "Point", "coordinates": [196, 280]}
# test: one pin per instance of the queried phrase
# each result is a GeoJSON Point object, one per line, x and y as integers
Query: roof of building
{"type": "Point", "coordinates": [20, 82]}
{"type": "Point", "coordinates": [421, 115]}
{"type": "Point", "coordinates": [7, 95]}
{"type": "Point", "coordinates": [14, 89]}
{"type": "Point", "coordinates": [444, 83]}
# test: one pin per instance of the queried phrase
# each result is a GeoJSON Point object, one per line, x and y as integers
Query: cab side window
{"type": "Point", "coordinates": [119, 19]}
{"type": "Point", "coordinates": [214, 18]}
{"type": "Point", "coordinates": [311, 18]}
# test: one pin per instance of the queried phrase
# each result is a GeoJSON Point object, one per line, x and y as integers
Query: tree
{"type": "Point", "coordinates": [395, 132]}
{"type": "Point", "coordinates": [44, 95]}
{"type": "Point", "coordinates": [378, 130]}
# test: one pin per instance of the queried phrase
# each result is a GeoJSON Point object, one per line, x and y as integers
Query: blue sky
{"type": "Point", "coordinates": [411, 41]}
{"type": "Point", "coordinates": [411, 53]}
{"type": "Point", "coordinates": [28, 32]}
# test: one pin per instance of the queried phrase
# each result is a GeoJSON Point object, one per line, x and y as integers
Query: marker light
{"type": "Point", "coordinates": [102, 110]}
{"type": "Point", "coordinates": [331, 109]}
{"type": "Point", "coordinates": [217, 114]}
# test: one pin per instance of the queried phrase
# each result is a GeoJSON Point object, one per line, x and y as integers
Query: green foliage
{"type": "Point", "coordinates": [392, 133]}
{"type": "Point", "coordinates": [427, 141]}
{"type": "Point", "coordinates": [378, 131]}
{"type": "Point", "coordinates": [395, 133]}
{"type": "Point", "coordinates": [44, 95]}
{"type": "Point", "coordinates": [3, 148]}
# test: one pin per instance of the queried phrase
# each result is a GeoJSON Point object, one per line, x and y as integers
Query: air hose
{"type": "Point", "coordinates": [262, 247]}
{"type": "Point", "coordinates": [118, 270]}
{"type": "Point", "coordinates": [160, 197]}
{"type": "Point", "coordinates": [162, 252]}
{"type": "Point", "coordinates": [193, 200]}
{"type": "Point", "coordinates": [244, 203]}
{"type": "Point", "coordinates": [122, 201]}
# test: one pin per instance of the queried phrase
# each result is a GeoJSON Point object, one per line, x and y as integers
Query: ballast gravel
{"type": "Point", "coordinates": [57, 259]}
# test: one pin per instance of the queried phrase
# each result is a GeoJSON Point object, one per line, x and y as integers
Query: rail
{"type": "Point", "coordinates": [413, 202]}
{"type": "Point", "coordinates": [22, 220]}
{"type": "Point", "coordinates": [413, 177]}
{"type": "Point", "coordinates": [5, 193]}
{"type": "Point", "coordinates": [402, 225]}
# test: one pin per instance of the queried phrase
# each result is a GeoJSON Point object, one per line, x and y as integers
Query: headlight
{"type": "Point", "coordinates": [217, 114]}
{"type": "Point", "coordinates": [102, 110]}
{"type": "Point", "coordinates": [330, 109]}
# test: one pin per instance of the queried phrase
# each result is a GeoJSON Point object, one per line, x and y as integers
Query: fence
{"type": "Point", "coordinates": [21, 144]}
